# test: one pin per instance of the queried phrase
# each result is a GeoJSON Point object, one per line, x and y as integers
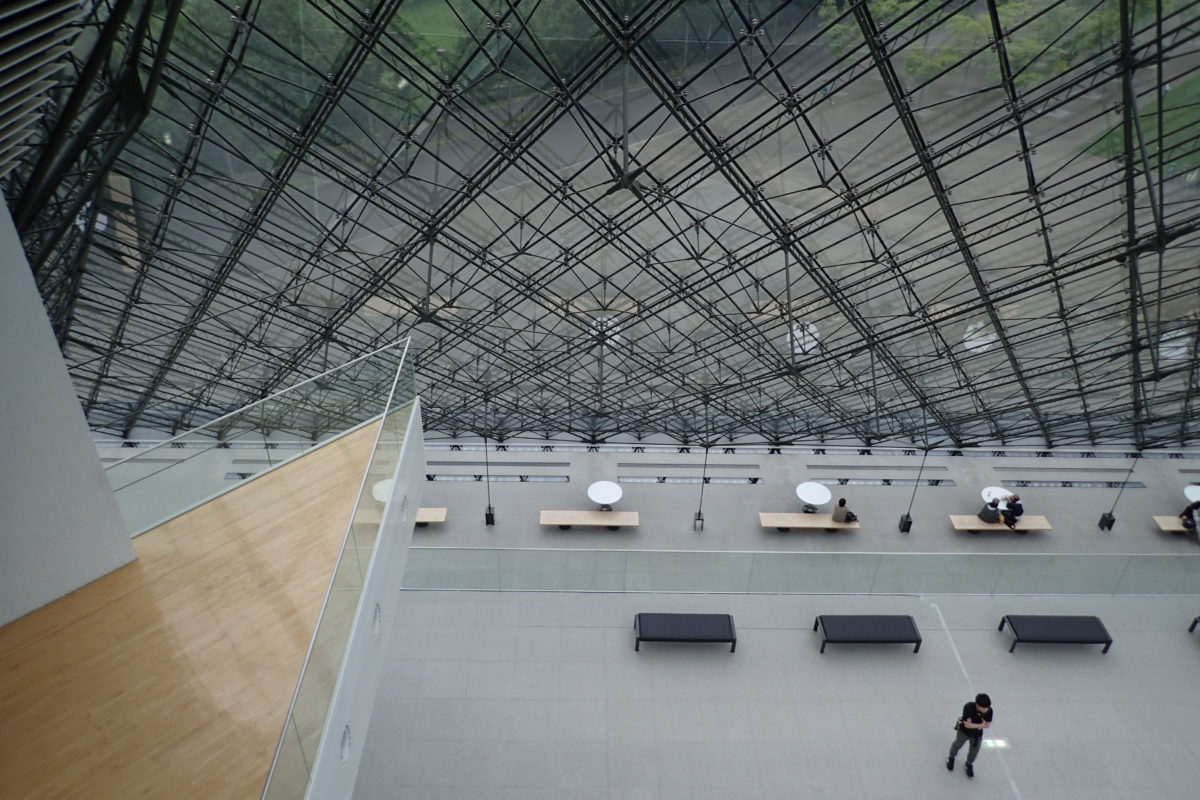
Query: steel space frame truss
{"type": "Point", "coordinates": [706, 221]}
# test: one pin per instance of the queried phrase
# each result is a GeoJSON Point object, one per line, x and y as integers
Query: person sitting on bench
{"type": "Point", "coordinates": [843, 514]}
{"type": "Point", "coordinates": [1188, 515]}
{"type": "Point", "coordinates": [990, 512]}
{"type": "Point", "coordinates": [1013, 511]}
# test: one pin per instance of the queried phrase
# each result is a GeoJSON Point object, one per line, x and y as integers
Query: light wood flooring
{"type": "Point", "coordinates": [171, 677]}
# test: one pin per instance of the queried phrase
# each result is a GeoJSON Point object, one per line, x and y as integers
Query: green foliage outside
{"type": "Point", "coordinates": [1181, 126]}
{"type": "Point", "coordinates": [1038, 48]}
{"type": "Point", "coordinates": [959, 35]}
{"type": "Point", "coordinates": [845, 35]}
{"type": "Point", "coordinates": [296, 42]}
{"type": "Point", "coordinates": [283, 69]}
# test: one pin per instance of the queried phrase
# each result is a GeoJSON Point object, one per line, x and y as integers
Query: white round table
{"type": "Point", "coordinates": [382, 490]}
{"type": "Point", "coordinates": [991, 493]}
{"type": "Point", "coordinates": [605, 493]}
{"type": "Point", "coordinates": [1192, 493]}
{"type": "Point", "coordinates": [812, 495]}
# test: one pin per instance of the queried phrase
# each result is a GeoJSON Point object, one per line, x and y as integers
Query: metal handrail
{"type": "Point", "coordinates": [291, 388]}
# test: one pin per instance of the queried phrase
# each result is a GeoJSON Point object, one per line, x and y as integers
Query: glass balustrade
{"type": "Point", "coordinates": [801, 573]}
{"type": "Point", "coordinates": [305, 726]}
{"type": "Point", "coordinates": [157, 483]}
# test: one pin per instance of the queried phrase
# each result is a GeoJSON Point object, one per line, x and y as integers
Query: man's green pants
{"type": "Point", "coordinates": [959, 740]}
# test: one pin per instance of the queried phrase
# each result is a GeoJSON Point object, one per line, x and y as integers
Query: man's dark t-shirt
{"type": "Point", "coordinates": [971, 714]}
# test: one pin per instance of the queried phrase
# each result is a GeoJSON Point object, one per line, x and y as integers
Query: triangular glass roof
{"type": "Point", "coordinates": [887, 221]}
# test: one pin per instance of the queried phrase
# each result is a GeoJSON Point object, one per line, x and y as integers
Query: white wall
{"type": "Point", "coordinates": [59, 523]}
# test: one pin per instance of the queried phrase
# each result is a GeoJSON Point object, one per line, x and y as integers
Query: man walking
{"type": "Point", "coordinates": [976, 717]}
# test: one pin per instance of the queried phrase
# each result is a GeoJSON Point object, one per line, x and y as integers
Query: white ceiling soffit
{"type": "Point", "coordinates": [34, 34]}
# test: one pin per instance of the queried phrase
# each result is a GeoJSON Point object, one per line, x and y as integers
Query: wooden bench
{"type": "Point", "coordinates": [428, 515]}
{"type": "Point", "coordinates": [785, 522]}
{"type": "Point", "coordinates": [868, 629]}
{"type": "Point", "coordinates": [368, 516]}
{"type": "Point", "coordinates": [1170, 524]}
{"type": "Point", "coordinates": [973, 524]}
{"type": "Point", "coordinates": [684, 628]}
{"type": "Point", "coordinates": [608, 519]}
{"type": "Point", "coordinates": [1050, 629]}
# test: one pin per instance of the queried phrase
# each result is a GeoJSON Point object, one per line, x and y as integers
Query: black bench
{"type": "Point", "coordinates": [1049, 629]}
{"type": "Point", "coordinates": [868, 629]}
{"type": "Point", "coordinates": [684, 628]}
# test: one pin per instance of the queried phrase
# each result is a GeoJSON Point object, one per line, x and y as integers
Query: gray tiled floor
{"type": "Point", "coordinates": [499, 696]}
{"type": "Point", "coordinates": [505, 695]}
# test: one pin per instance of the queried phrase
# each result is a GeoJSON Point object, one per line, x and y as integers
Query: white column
{"type": "Point", "coordinates": [59, 523]}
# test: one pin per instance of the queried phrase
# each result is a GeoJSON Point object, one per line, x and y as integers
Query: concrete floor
{"type": "Point", "coordinates": [492, 695]}
{"type": "Point", "coordinates": [540, 695]}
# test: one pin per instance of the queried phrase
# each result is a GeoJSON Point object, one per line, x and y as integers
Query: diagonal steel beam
{"type": "Point", "coordinates": [338, 82]}
{"type": "Point", "coordinates": [1015, 106]}
{"type": "Point", "coordinates": [1128, 134]}
{"type": "Point", "coordinates": [543, 118]}
{"type": "Point", "coordinates": [696, 128]}
{"type": "Point", "coordinates": [876, 44]}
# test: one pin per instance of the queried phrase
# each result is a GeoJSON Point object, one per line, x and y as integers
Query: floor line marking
{"type": "Point", "coordinates": [966, 676]}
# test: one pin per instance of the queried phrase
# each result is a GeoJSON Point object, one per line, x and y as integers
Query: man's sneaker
{"type": "Point", "coordinates": [950, 763]}
{"type": "Point", "coordinates": [970, 771]}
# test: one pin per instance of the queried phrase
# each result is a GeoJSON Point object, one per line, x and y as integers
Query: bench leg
{"type": "Point", "coordinates": [1002, 621]}
{"type": "Point", "coordinates": [733, 646]}
{"type": "Point", "coordinates": [1105, 650]}
{"type": "Point", "coordinates": [637, 645]}
{"type": "Point", "coordinates": [823, 643]}
{"type": "Point", "coordinates": [817, 622]}
{"type": "Point", "coordinates": [564, 527]}
{"type": "Point", "coordinates": [917, 649]}
{"type": "Point", "coordinates": [1195, 622]}
{"type": "Point", "coordinates": [1014, 646]}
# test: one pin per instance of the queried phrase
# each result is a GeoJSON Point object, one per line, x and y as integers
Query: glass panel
{"type": "Point", "coordinates": [800, 573]}
{"type": "Point", "coordinates": [310, 706]}
{"type": "Point", "coordinates": [157, 483]}
{"type": "Point", "coordinates": [289, 774]}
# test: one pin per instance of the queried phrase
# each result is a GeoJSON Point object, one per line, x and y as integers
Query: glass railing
{"type": "Point", "coordinates": [157, 483]}
{"type": "Point", "coordinates": [800, 573]}
{"type": "Point", "coordinates": [301, 739]}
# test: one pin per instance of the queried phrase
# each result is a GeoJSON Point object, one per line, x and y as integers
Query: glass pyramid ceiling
{"type": "Point", "coordinates": [886, 221]}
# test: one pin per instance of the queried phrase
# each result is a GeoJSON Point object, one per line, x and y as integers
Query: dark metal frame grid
{"type": "Point", "coordinates": [713, 221]}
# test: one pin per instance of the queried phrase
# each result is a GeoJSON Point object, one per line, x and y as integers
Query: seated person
{"type": "Point", "coordinates": [1013, 511]}
{"type": "Point", "coordinates": [843, 514]}
{"type": "Point", "coordinates": [990, 512]}
{"type": "Point", "coordinates": [1189, 516]}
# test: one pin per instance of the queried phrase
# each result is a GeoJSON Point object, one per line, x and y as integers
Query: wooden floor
{"type": "Point", "coordinates": [171, 677]}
